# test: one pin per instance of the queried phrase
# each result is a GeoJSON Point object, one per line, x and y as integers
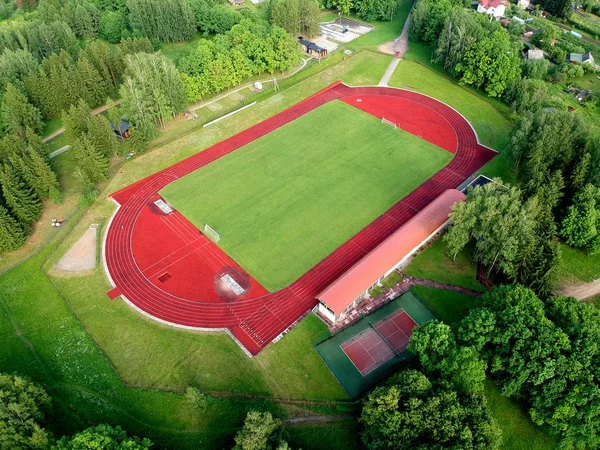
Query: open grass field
{"type": "Point", "coordinates": [287, 200]}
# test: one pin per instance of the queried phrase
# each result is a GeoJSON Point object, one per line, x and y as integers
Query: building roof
{"type": "Point", "coordinates": [491, 3]}
{"type": "Point", "coordinates": [122, 128]}
{"type": "Point", "coordinates": [311, 45]}
{"type": "Point", "coordinates": [360, 277]}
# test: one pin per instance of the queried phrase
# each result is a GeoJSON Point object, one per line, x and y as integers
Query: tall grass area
{"type": "Point", "coordinates": [577, 266]}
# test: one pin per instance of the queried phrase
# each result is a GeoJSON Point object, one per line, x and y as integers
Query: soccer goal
{"type": "Point", "coordinates": [388, 122]}
{"type": "Point", "coordinates": [210, 233]}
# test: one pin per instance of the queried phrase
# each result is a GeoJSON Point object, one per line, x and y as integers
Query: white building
{"type": "Point", "coordinates": [494, 8]}
{"type": "Point", "coordinates": [523, 3]}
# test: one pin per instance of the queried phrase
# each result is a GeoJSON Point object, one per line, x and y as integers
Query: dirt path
{"type": "Point", "coordinates": [400, 47]}
{"type": "Point", "coordinates": [315, 419]}
{"type": "Point", "coordinates": [581, 291]}
{"type": "Point", "coordinates": [96, 111]}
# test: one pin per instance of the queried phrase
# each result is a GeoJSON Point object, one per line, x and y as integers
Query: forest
{"type": "Point", "coordinates": [63, 58]}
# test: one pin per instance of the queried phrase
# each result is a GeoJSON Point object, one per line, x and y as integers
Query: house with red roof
{"type": "Point", "coordinates": [494, 8]}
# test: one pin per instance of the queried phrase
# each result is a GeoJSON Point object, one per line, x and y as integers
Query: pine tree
{"type": "Point", "coordinates": [21, 200]}
{"type": "Point", "coordinates": [95, 86]}
{"type": "Point", "coordinates": [93, 165]}
{"type": "Point", "coordinates": [579, 226]}
{"type": "Point", "coordinates": [102, 135]}
{"type": "Point", "coordinates": [12, 235]}
{"type": "Point", "coordinates": [18, 114]}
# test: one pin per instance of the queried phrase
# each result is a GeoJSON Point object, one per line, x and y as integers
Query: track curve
{"type": "Point", "coordinates": [256, 322]}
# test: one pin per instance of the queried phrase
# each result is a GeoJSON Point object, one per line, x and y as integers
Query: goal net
{"type": "Point", "coordinates": [210, 233]}
{"type": "Point", "coordinates": [388, 122]}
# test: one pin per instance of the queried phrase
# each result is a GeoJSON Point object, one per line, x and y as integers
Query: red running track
{"type": "Point", "coordinates": [257, 321]}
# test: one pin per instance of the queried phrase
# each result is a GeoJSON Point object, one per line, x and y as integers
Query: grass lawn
{"type": "Point", "coordinates": [577, 266]}
{"type": "Point", "coordinates": [435, 264]}
{"type": "Point", "coordinates": [177, 50]}
{"type": "Point", "coordinates": [340, 433]}
{"type": "Point", "coordinates": [51, 125]}
{"type": "Point", "coordinates": [491, 126]}
{"type": "Point", "coordinates": [518, 431]}
{"type": "Point", "coordinates": [287, 200]}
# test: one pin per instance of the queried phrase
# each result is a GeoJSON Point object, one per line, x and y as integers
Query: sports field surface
{"type": "Point", "coordinates": [359, 356]}
{"type": "Point", "coordinates": [255, 320]}
{"type": "Point", "coordinates": [285, 201]}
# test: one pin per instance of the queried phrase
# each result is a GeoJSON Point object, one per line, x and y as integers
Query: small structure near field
{"type": "Point", "coordinates": [122, 130]}
{"type": "Point", "coordinates": [312, 49]}
{"type": "Point", "coordinates": [236, 2]}
{"type": "Point", "coordinates": [535, 54]}
{"type": "Point", "coordinates": [582, 58]}
{"type": "Point", "coordinates": [162, 205]}
{"type": "Point", "coordinates": [353, 286]}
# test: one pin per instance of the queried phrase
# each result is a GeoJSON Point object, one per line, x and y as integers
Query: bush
{"type": "Point", "coordinates": [88, 197]}
{"type": "Point", "coordinates": [196, 400]}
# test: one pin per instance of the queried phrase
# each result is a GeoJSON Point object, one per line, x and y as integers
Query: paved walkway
{"type": "Point", "coordinates": [385, 79]}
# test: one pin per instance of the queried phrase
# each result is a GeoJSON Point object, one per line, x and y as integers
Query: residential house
{"type": "Point", "coordinates": [494, 8]}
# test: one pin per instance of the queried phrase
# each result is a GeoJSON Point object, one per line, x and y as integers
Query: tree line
{"type": "Point", "coordinates": [249, 48]}
{"type": "Point", "coordinates": [475, 50]}
{"type": "Point", "coordinates": [439, 406]}
{"type": "Point", "coordinates": [545, 354]}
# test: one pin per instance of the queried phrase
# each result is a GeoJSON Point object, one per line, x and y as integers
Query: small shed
{"type": "Point", "coordinates": [585, 58]}
{"type": "Point", "coordinates": [122, 130]}
{"type": "Point", "coordinates": [236, 2]}
{"type": "Point", "coordinates": [534, 54]}
{"type": "Point", "coordinates": [312, 49]}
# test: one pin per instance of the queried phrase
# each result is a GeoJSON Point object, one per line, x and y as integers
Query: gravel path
{"type": "Point", "coordinates": [398, 48]}
{"type": "Point", "coordinates": [582, 291]}
{"type": "Point", "coordinates": [82, 256]}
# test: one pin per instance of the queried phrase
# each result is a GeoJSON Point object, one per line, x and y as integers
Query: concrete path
{"type": "Point", "coordinates": [582, 291]}
{"type": "Point", "coordinates": [389, 72]}
{"type": "Point", "coordinates": [400, 47]}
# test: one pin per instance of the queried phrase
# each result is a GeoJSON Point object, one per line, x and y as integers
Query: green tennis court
{"type": "Point", "coordinates": [334, 350]}
{"type": "Point", "coordinates": [287, 200]}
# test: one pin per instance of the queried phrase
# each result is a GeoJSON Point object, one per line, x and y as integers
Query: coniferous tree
{"type": "Point", "coordinates": [12, 235]}
{"type": "Point", "coordinates": [92, 163]}
{"type": "Point", "coordinates": [20, 198]}
{"type": "Point", "coordinates": [95, 86]}
{"type": "Point", "coordinates": [17, 113]}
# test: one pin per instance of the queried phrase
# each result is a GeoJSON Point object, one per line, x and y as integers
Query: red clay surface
{"type": "Point", "coordinates": [368, 350]}
{"type": "Point", "coordinates": [257, 321]}
{"type": "Point", "coordinates": [175, 256]}
{"type": "Point", "coordinates": [410, 115]}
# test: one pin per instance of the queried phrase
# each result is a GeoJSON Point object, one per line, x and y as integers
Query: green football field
{"type": "Point", "coordinates": [284, 202]}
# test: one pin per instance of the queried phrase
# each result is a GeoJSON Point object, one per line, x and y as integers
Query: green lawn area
{"type": "Point", "coordinates": [491, 126]}
{"type": "Point", "coordinates": [577, 266]}
{"type": "Point", "coordinates": [51, 125]}
{"type": "Point", "coordinates": [434, 263]}
{"type": "Point", "coordinates": [287, 200]}
{"type": "Point", "coordinates": [177, 50]}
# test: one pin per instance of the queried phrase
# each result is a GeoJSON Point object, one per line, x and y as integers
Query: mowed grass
{"type": "Point", "coordinates": [287, 200]}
